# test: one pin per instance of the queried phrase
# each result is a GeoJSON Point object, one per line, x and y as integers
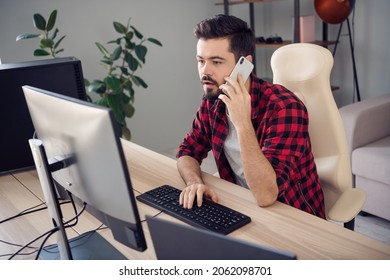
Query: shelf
{"type": "Point", "coordinates": [324, 43]}
{"type": "Point", "coordinates": [273, 45]}
{"type": "Point", "coordinates": [277, 45]}
{"type": "Point", "coordinates": [242, 2]}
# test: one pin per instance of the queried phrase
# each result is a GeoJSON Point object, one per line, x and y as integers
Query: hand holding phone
{"type": "Point", "coordinates": [244, 67]}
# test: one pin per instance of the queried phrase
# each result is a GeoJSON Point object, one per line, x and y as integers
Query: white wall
{"type": "Point", "coordinates": [165, 110]}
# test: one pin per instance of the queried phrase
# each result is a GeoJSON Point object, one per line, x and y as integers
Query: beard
{"type": "Point", "coordinates": [211, 93]}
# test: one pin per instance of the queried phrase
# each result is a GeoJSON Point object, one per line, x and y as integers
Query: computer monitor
{"type": "Point", "coordinates": [174, 241]}
{"type": "Point", "coordinates": [61, 75]}
{"type": "Point", "coordinates": [85, 139]}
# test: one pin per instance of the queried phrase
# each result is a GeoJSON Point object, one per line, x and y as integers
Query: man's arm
{"type": "Point", "coordinates": [259, 173]}
{"type": "Point", "coordinates": [191, 174]}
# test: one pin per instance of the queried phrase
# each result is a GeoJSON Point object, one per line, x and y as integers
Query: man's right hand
{"type": "Point", "coordinates": [188, 195]}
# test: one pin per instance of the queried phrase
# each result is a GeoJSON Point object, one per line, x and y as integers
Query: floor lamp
{"type": "Point", "coordinates": [336, 12]}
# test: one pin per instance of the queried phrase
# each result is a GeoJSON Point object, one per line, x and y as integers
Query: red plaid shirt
{"type": "Point", "coordinates": [280, 121]}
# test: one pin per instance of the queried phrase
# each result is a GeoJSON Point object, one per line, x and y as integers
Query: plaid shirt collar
{"type": "Point", "coordinates": [218, 109]}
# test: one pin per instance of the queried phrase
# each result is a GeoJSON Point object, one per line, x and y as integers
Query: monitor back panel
{"type": "Point", "coordinates": [62, 75]}
{"type": "Point", "coordinates": [174, 241]}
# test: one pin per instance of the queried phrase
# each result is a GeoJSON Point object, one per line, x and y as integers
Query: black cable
{"type": "Point", "coordinates": [91, 232]}
{"type": "Point", "coordinates": [29, 211]}
{"type": "Point", "coordinates": [20, 214]}
{"type": "Point", "coordinates": [76, 217]}
{"type": "Point", "coordinates": [48, 233]}
{"type": "Point", "coordinates": [43, 243]}
{"type": "Point", "coordinates": [24, 212]}
{"type": "Point", "coordinates": [66, 225]}
{"type": "Point", "coordinates": [142, 221]}
{"type": "Point", "coordinates": [35, 239]}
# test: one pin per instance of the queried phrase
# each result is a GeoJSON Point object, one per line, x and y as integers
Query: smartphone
{"type": "Point", "coordinates": [243, 66]}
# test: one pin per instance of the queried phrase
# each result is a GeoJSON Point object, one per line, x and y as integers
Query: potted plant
{"type": "Point", "coordinates": [116, 89]}
{"type": "Point", "coordinates": [48, 45]}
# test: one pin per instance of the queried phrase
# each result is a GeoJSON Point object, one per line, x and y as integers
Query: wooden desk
{"type": "Point", "coordinates": [279, 226]}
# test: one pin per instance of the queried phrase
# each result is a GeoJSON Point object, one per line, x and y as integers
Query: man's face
{"type": "Point", "coordinates": [215, 62]}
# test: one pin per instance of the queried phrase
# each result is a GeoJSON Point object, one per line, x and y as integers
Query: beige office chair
{"type": "Point", "coordinates": [305, 69]}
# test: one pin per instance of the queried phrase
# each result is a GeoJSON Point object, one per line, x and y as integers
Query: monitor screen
{"type": "Point", "coordinates": [61, 75]}
{"type": "Point", "coordinates": [87, 137]}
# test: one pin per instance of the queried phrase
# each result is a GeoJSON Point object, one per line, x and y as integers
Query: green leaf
{"type": "Point", "coordinates": [102, 101]}
{"type": "Point", "coordinates": [129, 110]}
{"type": "Point", "coordinates": [155, 41]}
{"type": "Point", "coordinates": [126, 134]}
{"type": "Point", "coordinates": [117, 53]}
{"type": "Point", "coordinates": [103, 50]}
{"type": "Point", "coordinates": [125, 99]}
{"type": "Point", "coordinates": [120, 28]}
{"type": "Point", "coordinates": [141, 51]}
{"type": "Point", "coordinates": [131, 61]}
{"type": "Point", "coordinates": [114, 104]}
{"type": "Point", "coordinates": [129, 87]}
{"type": "Point", "coordinates": [137, 33]}
{"type": "Point", "coordinates": [26, 36]}
{"type": "Point", "coordinates": [54, 34]}
{"type": "Point", "coordinates": [46, 43]}
{"type": "Point", "coordinates": [59, 41]}
{"type": "Point", "coordinates": [97, 86]}
{"type": "Point", "coordinates": [60, 50]}
{"type": "Point", "coordinates": [139, 81]}
{"type": "Point", "coordinates": [52, 20]}
{"type": "Point", "coordinates": [39, 22]}
{"type": "Point", "coordinates": [113, 83]}
{"type": "Point", "coordinates": [39, 52]}
{"type": "Point", "coordinates": [124, 70]}
{"type": "Point", "coordinates": [108, 62]}
{"type": "Point", "coordinates": [129, 35]}
{"type": "Point", "coordinates": [129, 44]}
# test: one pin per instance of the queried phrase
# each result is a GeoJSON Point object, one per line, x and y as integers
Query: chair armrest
{"type": "Point", "coordinates": [366, 121]}
{"type": "Point", "coordinates": [347, 206]}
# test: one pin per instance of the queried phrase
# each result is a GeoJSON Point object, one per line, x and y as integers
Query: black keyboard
{"type": "Point", "coordinates": [210, 215]}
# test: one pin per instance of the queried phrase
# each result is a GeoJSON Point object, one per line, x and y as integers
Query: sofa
{"type": "Point", "coordinates": [367, 126]}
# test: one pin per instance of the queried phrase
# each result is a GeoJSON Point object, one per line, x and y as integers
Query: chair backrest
{"type": "Point", "coordinates": [304, 69]}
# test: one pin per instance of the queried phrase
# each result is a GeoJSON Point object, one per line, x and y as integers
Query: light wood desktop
{"type": "Point", "coordinates": [279, 226]}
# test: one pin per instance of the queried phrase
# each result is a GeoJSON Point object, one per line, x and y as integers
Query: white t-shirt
{"type": "Point", "coordinates": [233, 154]}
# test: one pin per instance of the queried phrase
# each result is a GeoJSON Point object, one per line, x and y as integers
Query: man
{"type": "Point", "coordinates": [257, 131]}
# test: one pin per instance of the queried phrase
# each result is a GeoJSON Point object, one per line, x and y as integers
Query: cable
{"type": "Point", "coordinates": [29, 211]}
{"type": "Point", "coordinates": [54, 249]}
{"type": "Point", "coordinates": [47, 234]}
{"type": "Point", "coordinates": [42, 244]}
{"type": "Point", "coordinates": [142, 221]}
{"type": "Point", "coordinates": [66, 224]}
{"type": "Point", "coordinates": [24, 212]}
{"type": "Point", "coordinates": [35, 239]}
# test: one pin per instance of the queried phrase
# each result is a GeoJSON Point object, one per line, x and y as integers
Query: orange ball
{"type": "Point", "coordinates": [333, 11]}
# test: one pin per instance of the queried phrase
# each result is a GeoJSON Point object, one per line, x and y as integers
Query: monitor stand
{"type": "Point", "coordinates": [89, 246]}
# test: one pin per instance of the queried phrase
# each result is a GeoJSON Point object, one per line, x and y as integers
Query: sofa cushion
{"type": "Point", "coordinates": [372, 161]}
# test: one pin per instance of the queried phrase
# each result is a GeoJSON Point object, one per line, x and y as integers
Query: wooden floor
{"type": "Point", "coordinates": [374, 227]}
{"type": "Point", "coordinates": [368, 225]}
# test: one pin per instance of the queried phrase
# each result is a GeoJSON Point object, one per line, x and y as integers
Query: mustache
{"type": "Point", "coordinates": [208, 79]}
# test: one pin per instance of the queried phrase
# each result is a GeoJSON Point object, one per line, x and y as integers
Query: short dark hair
{"type": "Point", "coordinates": [242, 38]}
